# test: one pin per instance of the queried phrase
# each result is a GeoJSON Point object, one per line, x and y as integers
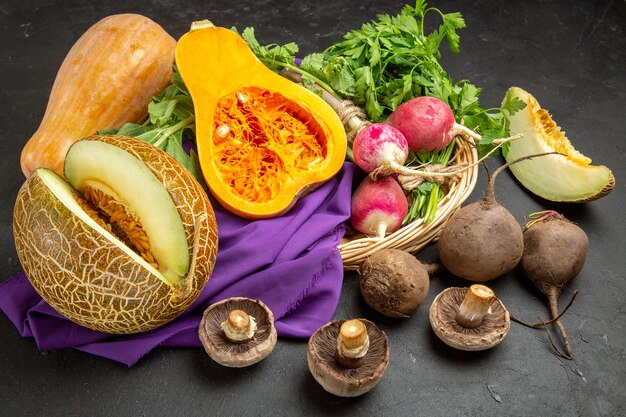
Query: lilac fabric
{"type": "Point", "coordinates": [291, 263]}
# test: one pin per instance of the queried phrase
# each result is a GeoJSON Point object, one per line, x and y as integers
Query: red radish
{"type": "Point", "coordinates": [378, 206]}
{"type": "Point", "coordinates": [427, 123]}
{"type": "Point", "coordinates": [380, 149]}
{"type": "Point", "coordinates": [379, 144]}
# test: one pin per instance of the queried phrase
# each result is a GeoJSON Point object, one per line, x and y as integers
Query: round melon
{"type": "Point", "coordinates": [128, 270]}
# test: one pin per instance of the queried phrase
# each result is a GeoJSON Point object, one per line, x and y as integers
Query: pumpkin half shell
{"type": "Point", "coordinates": [263, 141]}
{"type": "Point", "coordinates": [88, 275]}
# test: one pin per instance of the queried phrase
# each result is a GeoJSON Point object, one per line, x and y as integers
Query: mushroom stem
{"type": "Point", "coordinates": [239, 327]}
{"type": "Point", "coordinates": [476, 305]}
{"type": "Point", "coordinates": [352, 344]}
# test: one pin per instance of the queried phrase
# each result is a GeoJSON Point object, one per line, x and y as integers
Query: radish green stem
{"type": "Point", "coordinates": [295, 69]}
{"type": "Point", "coordinates": [408, 183]}
{"type": "Point", "coordinates": [408, 178]}
{"type": "Point", "coordinates": [353, 124]}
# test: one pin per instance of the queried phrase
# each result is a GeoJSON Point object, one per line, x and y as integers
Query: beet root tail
{"type": "Point", "coordinates": [554, 311]}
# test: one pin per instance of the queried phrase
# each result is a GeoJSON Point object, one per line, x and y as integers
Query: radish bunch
{"type": "Point", "coordinates": [381, 149]}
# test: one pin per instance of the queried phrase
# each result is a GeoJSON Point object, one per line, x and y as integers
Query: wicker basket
{"type": "Point", "coordinates": [418, 234]}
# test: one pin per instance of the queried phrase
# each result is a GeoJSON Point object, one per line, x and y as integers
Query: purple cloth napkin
{"type": "Point", "coordinates": [291, 263]}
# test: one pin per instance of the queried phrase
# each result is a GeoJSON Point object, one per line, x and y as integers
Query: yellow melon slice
{"type": "Point", "coordinates": [568, 177]}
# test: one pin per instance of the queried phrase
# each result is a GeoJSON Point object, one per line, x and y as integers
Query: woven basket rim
{"type": "Point", "coordinates": [416, 235]}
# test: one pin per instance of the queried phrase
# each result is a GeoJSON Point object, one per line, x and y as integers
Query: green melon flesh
{"type": "Point", "coordinates": [125, 177]}
{"type": "Point", "coordinates": [563, 178]}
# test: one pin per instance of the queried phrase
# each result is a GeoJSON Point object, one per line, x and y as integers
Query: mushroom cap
{"type": "Point", "coordinates": [240, 354]}
{"type": "Point", "coordinates": [341, 381]}
{"type": "Point", "coordinates": [492, 330]}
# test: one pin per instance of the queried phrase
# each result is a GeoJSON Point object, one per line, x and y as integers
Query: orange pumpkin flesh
{"type": "Point", "coordinates": [263, 141]}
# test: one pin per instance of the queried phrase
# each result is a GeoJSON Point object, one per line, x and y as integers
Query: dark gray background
{"type": "Point", "coordinates": [570, 55]}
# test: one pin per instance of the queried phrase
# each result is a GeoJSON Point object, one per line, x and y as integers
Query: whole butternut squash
{"type": "Point", "coordinates": [107, 79]}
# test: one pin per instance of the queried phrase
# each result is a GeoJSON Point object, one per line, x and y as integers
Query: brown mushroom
{"type": "Point", "coordinates": [348, 358]}
{"type": "Point", "coordinates": [469, 318]}
{"type": "Point", "coordinates": [237, 332]}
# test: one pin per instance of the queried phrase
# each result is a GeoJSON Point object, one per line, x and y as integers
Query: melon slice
{"type": "Point", "coordinates": [568, 177]}
{"type": "Point", "coordinates": [111, 173]}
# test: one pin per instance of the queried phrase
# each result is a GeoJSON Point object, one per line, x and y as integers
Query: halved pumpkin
{"type": "Point", "coordinates": [263, 141]}
{"type": "Point", "coordinates": [566, 177]}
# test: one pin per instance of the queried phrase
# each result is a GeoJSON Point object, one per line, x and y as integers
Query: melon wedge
{"type": "Point", "coordinates": [112, 170]}
{"type": "Point", "coordinates": [568, 177]}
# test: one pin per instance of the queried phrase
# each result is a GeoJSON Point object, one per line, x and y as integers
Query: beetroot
{"type": "Point", "coordinates": [481, 241]}
{"type": "Point", "coordinates": [394, 283]}
{"type": "Point", "coordinates": [555, 250]}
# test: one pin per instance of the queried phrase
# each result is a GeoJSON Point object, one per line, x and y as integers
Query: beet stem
{"type": "Point", "coordinates": [490, 196]}
{"type": "Point", "coordinates": [541, 216]}
{"type": "Point", "coordinates": [553, 294]}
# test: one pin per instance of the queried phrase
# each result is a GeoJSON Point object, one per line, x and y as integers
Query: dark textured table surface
{"type": "Point", "coordinates": [570, 55]}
